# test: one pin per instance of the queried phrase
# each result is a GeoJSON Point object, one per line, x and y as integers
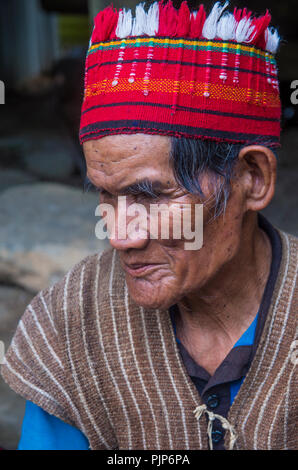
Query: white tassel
{"type": "Point", "coordinates": [142, 23]}
{"type": "Point", "coordinates": [139, 22]}
{"type": "Point", "coordinates": [244, 31]}
{"type": "Point", "coordinates": [272, 40]}
{"type": "Point", "coordinates": [124, 25]}
{"type": "Point", "coordinates": [226, 27]}
{"type": "Point", "coordinates": [152, 20]}
{"type": "Point", "coordinates": [217, 25]}
{"type": "Point", "coordinates": [210, 26]}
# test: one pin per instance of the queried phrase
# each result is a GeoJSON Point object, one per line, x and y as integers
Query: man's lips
{"type": "Point", "coordinates": [137, 269]}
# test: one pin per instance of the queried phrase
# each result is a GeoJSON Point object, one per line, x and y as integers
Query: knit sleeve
{"type": "Point", "coordinates": [33, 365]}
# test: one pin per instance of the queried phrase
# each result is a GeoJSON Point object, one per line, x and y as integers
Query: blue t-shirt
{"type": "Point", "coordinates": [42, 431]}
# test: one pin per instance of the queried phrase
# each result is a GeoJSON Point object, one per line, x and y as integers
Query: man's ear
{"type": "Point", "coordinates": [259, 169]}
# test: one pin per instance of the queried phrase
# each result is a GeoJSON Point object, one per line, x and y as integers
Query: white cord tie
{"type": "Point", "coordinates": [225, 424]}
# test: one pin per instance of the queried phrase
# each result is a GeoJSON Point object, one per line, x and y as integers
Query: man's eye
{"type": "Point", "coordinates": [149, 196]}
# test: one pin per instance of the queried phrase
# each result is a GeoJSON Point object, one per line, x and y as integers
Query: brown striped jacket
{"type": "Point", "coordinates": [86, 353]}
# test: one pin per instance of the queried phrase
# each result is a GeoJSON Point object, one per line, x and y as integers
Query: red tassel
{"type": "Point", "coordinates": [168, 19]}
{"type": "Point", "coordinates": [115, 21]}
{"type": "Point", "coordinates": [183, 25]}
{"type": "Point", "coordinates": [260, 25]}
{"type": "Point", "coordinates": [239, 14]}
{"type": "Point", "coordinates": [197, 23]}
{"type": "Point", "coordinates": [246, 13]}
{"type": "Point", "coordinates": [105, 24]}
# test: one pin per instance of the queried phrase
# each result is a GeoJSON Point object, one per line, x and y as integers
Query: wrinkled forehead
{"type": "Point", "coordinates": [131, 156]}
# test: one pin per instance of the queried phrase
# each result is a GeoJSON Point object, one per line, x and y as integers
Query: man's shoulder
{"type": "Point", "coordinates": [289, 268]}
{"type": "Point", "coordinates": [91, 264]}
{"type": "Point", "coordinates": [84, 282]}
{"type": "Point", "coordinates": [292, 237]}
{"type": "Point", "coordinates": [289, 243]}
{"type": "Point", "coordinates": [85, 272]}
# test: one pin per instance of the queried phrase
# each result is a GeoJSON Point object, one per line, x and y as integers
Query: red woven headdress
{"type": "Point", "coordinates": [180, 73]}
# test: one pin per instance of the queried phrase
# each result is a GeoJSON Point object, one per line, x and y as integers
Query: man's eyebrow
{"type": "Point", "coordinates": [146, 186]}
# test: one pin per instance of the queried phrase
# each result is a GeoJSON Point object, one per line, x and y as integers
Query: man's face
{"type": "Point", "coordinates": [160, 272]}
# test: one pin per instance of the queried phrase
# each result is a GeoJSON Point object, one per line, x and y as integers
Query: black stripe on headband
{"type": "Point", "coordinates": [126, 126]}
{"type": "Point", "coordinates": [183, 108]}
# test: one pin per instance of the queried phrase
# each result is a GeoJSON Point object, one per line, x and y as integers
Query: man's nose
{"type": "Point", "coordinates": [128, 233]}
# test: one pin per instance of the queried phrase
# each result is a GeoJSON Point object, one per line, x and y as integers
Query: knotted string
{"type": "Point", "coordinates": [212, 416]}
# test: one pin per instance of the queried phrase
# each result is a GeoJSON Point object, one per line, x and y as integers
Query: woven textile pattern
{"type": "Point", "coordinates": [86, 353]}
{"type": "Point", "coordinates": [181, 86]}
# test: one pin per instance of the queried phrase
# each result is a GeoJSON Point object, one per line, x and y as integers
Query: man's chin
{"type": "Point", "coordinates": [147, 298]}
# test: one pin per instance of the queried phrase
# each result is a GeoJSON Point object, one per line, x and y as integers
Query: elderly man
{"type": "Point", "coordinates": [151, 345]}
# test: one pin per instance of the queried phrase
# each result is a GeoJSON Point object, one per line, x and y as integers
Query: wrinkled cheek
{"type": "Point", "coordinates": [176, 224]}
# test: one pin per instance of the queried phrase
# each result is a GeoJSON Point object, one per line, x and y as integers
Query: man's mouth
{"type": "Point", "coordinates": [139, 269]}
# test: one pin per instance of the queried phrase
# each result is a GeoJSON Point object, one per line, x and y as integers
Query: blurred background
{"type": "Point", "coordinates": [46, 220]}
